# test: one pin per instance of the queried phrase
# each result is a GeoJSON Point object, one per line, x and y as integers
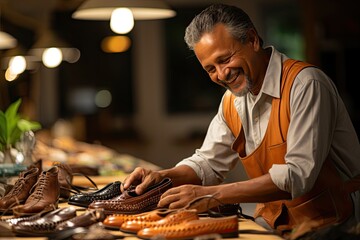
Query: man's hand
{"type": "Point", "coordinates": [142, 179]}
{"type": "Point", "coordinates": [184, 196]}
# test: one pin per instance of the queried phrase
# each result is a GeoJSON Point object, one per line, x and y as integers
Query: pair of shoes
{"type": "Point", "coordinates": [173, 218]}
{"type": "Point", "coordinates": [44, 225]}
{"type": "Point", "coordinates": [131, 203]}
{"type": "Point", "coordinates": [20, 191]}
{"type": "Point", "coordinates": [110, 191]}
{"type": "Point", "coordinates": [114, 221]}
{"type": "Point", "coordinates": [44, 194]}
{"type": "Point", "coordinates": [227, 227]}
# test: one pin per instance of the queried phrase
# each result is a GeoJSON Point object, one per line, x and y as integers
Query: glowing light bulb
{"type": "Point", "coordinates": [122, 20]}
{"type": "Point", "coordinates": [17, 65]}
{"type": "Point", "coordinates": [52, 57]}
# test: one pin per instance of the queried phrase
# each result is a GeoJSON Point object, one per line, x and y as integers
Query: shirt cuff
{"type": "Point", "coordinates": [279, 178]}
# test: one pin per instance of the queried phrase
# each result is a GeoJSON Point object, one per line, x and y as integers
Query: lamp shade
{"type": "Point", "coordinates": [7, 41]}
{"type": "Point", "coordinates": [141, 9]}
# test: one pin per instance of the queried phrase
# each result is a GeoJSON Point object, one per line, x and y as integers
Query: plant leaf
{"type": "Point", "coordinates": [25, 125]}
{"type": "Point", "coordinates": [12, 117]}
{"type": "Point", "coordinates": [3, 128]}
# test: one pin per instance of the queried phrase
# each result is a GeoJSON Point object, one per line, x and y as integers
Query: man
{"type": "Point", "coordinates": [285, 121]}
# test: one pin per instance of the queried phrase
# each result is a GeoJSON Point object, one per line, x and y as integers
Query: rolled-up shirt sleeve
{"type": "Point", "coordinates": [215, 158]}
{"type": "Point", "coordinates": [313, 105]}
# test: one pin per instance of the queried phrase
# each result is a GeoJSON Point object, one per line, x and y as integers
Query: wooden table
{"type": "Point", "coordinates": [102, 181]}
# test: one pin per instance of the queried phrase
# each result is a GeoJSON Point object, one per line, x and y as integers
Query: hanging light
{"type": "Point", "coordinates": [141, 9]}
{"type": "Point", "coordinates": [122, 20]}
{"type": "Point", "coordinates": [52, 50]}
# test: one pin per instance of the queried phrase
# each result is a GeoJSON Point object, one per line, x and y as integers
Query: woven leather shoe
{"type": "Point", "coordinates": [21, 190]}
{"type": "Point", "coordinates": [86, 219]}
{"type": "Point", "coordinates": [227, 227]}
{"type": "Point", "coordinates": [115, 221]}
{"type": "Point", "coordinates": [131, 203]}
{"type": "Point", "coordinates": [171, 219]}
{"type": "Point", "coordinates": [45, 196]}
{"type": "Point", "coordinates": [46, 224]}
{"type": "Point", "coordinates": [108, 192]}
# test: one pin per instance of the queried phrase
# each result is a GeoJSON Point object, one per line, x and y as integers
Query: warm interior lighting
{"type": "Point", "coordinates": [7, 41]}
{"type": "Point", "coordinates": [115, 44]}
{"type": "Point", "coordinates": [141, 9]}
{"type": "Point", "coordinates": [122, 20]}
{"type": "Point", "coordinates": [17, 65]}
{"type": "Point", "coordinates": [52, 57]}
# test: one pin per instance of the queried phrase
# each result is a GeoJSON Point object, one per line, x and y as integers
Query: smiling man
{"type": "Point", "coordinates": [283, 119]}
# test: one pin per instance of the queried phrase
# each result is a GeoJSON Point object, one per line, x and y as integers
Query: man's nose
{"type": "Point", "coordinates": [223, 73]}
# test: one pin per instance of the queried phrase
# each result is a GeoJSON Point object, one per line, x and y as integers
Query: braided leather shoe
{"type": "Point", "coordinates": [46, 224]}
{"type": "Point", "coordinates": [45, 196]}
{"type": "Point", "coordinates": [15, 220]}
{"type": "Point", "coordinates": [171, 219]}
{"type": "Point", "coordinates": [21, 190]}
{"type": "Point", "coordinates": [86, 219]}
{"type": "Point", "coordinates": [108, 192]}
{"type": "Point", "coordinates": [115, 221]}
{"type": "Point", "coordinates": [131, 203]}
{"type": "Point", "coordinates": [227, 227]}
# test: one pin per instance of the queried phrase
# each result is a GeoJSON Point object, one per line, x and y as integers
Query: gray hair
{"type": "Point", "coordinates": [235, 19]}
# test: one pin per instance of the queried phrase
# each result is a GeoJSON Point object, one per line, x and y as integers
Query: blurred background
{"type": "Point", "coordinates": [147, 95]}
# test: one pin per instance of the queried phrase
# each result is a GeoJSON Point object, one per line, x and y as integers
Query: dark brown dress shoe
{"type": "Point", "coordinates": [131, 203]}
{"type": "Point", "coordinates": [21, 190]}
{"type": "Point", "coordinates": [90, 217]}
{"type": "Point", "coordinates": [46, 224]}
{"type": "Point", "coordinates": [45, 195]}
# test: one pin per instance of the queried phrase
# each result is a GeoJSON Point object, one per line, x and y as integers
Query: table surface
{"type": "Point", "coordinates": [244, 224]}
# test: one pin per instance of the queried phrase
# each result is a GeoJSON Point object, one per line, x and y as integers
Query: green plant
{"type": "Point", "coordinates": [12, 125]}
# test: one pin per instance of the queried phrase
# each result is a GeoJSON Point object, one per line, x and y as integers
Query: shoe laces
{"type": "Point", "coordinates": [38, 187]}
{"type": "Point", "coordinates": [17, 187]}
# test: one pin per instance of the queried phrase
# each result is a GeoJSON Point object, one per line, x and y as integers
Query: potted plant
{"type": "Point", "coordinates": [12, 126]}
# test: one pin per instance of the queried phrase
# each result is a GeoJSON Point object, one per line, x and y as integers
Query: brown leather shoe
{"type": "Point", "coordinates": [21, 190]}
{"type": "Point", "coordinates": [131, 203]}
{"type": "Point", "coordinates": [115, 221]}
{"type": "Point", "coordinates": [86, 219]}
{"type": "Point", "coordinates": [46, 224]}
{"type": "Point", "coordinates": [65, 179]}
{"type": "Point", "coordinates": [171, 219]}
{"type": "Point", "coordinates": [227, 227]}
{"type": "Point", "coordinates": [45, 196]}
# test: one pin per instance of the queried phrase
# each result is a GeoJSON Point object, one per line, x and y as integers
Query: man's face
{"type": "Point", "coordinates": [227, 61]}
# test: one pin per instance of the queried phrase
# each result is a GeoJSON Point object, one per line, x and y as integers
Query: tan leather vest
{"type": "Point", "coordinates": [328, 202]}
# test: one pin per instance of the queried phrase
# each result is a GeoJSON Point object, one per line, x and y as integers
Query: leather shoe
{"type": "Point", "coordinates": [131, 203]}
{"type": "Point", "coordinates": [20, 191]}
{"type": "Point", "coordinates": [86, 219]}
{"type": "Point", "coordinates": [46, 224]}
{"type": "Point", "coordinates": [110, 191]}
{"type": "Point", "coordinates": [45, 196]}
{"type": "Point", "coordinates": [65, 177]}
{"type": "Point", "coordinates": [227, 227]}
{"type": "Point", "coordinates": [115, 221]}
{"type": "Point", "coordinates": [171, 219]}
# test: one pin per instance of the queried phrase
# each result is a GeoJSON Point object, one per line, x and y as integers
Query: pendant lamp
{"type": "Point", "coordinates": [141, 9]}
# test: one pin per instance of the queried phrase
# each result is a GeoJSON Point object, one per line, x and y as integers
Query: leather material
{"type": "Point", "coordinates": [227, 227]}
{"type": "Point", "coordinates": [45, 195]}
{"type": "Point", "coordinates": [16, 220]}
{"type": "Point", "coordinates": [65, 177]}
{"type": "Point", "coordinates": [20, 191]}
{"type": "Point", "coordinates": [110, 191]}
{"type": "Point", "coordinates": [86, 219]}
{"type": "Point", "coordinates": [171, 219]}
{"type": "Point", "coordinates": [131, 203]}
{"type": "Point", "coordinates": [115, 221]}
{"type": "Point", "coordinates": [46, 224]}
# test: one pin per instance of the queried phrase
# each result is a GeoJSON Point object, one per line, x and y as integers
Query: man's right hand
{"type": "Point", "coordinates": [141, 178]}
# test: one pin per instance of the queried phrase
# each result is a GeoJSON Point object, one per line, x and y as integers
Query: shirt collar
{"type": "Point", "coordinates": [271, 84]}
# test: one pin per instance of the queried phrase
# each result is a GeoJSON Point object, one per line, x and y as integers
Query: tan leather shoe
{"type": "Point", "coordinates": [65, 177]}
{"type": "Point", "coordinates": [21, 190]}
{"type": "Point", "coordinates": [45, 195]}
{"type": "Point", "coordinates": [171, 219]}
{"type": "Point", "coordinates": [115, 221]}
{"type": "Point", "coordinates": [131, 203]}
{"type": "Point", "coordinates": [227, 227]}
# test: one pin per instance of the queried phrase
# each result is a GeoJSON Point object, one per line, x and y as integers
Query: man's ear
{"type": "Point", "coordinates": [254, 39]}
